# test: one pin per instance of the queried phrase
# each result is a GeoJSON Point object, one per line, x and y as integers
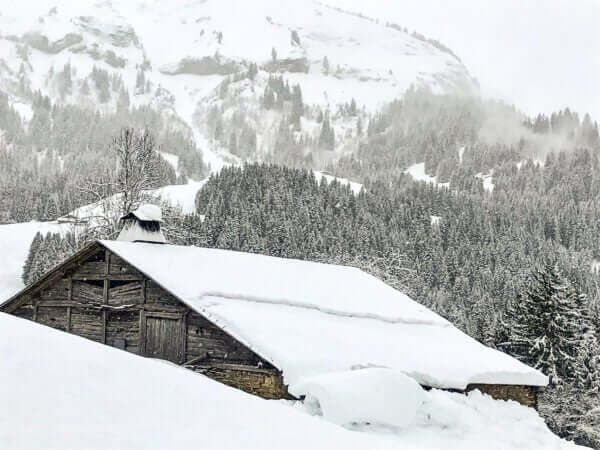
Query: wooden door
{"type": "Point", "coordinates": [164, 338]}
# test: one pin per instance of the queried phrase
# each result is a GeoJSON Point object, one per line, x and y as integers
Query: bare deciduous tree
{"type": "Point", "coordinates": [137, 170]}
{"type": "Point", "coordinates": [138, 167]}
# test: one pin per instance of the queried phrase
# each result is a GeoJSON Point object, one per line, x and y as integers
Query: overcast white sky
{"type": "Point", "coordinates": [540, 55]}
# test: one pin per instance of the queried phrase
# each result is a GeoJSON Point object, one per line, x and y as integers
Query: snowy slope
{"type": "Point", "coordinates": [417, 172]}
{"type": "Point", "coordinates": [187, 48]}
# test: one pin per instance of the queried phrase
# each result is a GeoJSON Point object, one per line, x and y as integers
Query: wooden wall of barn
{"type": "Point", "coordinates": [105, 299]}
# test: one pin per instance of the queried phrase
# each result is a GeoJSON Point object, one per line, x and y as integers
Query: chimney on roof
{"type": "Point", "coordinates": [142, 225]}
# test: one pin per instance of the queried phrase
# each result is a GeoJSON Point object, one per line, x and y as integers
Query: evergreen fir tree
{"type": "Point", "coordinates": [33, 249]}
{"type": "Point", "coordinates": [544, 329]}
{"type": "Point", "coordinates": [327, 136]}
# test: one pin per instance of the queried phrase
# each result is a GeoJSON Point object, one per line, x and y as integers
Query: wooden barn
{"type": "Point", "coordinates": [260, 323]}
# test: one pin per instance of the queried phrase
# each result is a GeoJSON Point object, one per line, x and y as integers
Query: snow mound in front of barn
{"type": "Point", "coordinates": [371, 395]}
{"type": "Point", "coordinates": [61, 391]}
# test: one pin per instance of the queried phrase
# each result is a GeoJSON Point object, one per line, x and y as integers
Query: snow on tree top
{"type": "Point", "coordinates": [310, 319]}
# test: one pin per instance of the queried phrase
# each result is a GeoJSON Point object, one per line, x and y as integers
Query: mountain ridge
{"type": "Point", "coordinates": [175, 58]}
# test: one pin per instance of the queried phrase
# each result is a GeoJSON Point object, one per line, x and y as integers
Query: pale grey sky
{"type": "Point", "coordinates": [540, 55]}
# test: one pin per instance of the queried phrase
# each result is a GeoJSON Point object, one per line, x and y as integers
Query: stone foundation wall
{"type": "Point", "coordinates": [264, 383]}
{"type": "Point", "coordinates": [525, 395]}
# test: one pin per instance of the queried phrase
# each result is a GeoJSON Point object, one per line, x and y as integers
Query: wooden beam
{"type": "Point", "coordinates": [163, 315]}
{"type": "Point", "coordinates": [104, 326]}
{"type": "Point", "coordinates": [144, 287]}
{"type": "Point", "coordinates": [104, 313]}
{"type": "Point", "coordinates": [100, 277]}
{"type": "Point", "coordinates": [151, 308]}
{"type": "Point", "coordinates": [69, 307]}
{"type": "Point", "coordinates": [90, 306]}
{"type": "Point", "coordinates": [184, 337]}
{"type": "Point", "coordinates": [107, 261]}
{"type": "Point", "coordinates": [68, 319]}
{"type": "Point", "coordinates": [142, 332]}
{"type": "Point", "coordinates": [105, 292]}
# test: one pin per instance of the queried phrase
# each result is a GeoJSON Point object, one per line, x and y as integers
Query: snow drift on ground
{"type": "Point", "coordinates": [63, 392]}
{"type": "Point", "coordinates": [372, 395]}
{"type": "Point", "coordinates": [311, 319]}
{"type": "Point", "coordinates": [453, 421]}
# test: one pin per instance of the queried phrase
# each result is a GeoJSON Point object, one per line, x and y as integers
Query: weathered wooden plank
{"type": "Point", "coordinates": [177, 309]}
{"type": "Point", "coordinates": [142, 332]}
{"type": "Point", "coordinates": [203, 339]}
{"type": "Point", "coordinates": [90, 306]}
{"type": "Point", "coordinates": [84, 292]}
{"type": "Point", "coordinates": [25, 312]}
{"type": "Point", "coordinates": [104, 313]}
{"type": "Point", "coordinates": [122, 329]}
{"type": "Point", "coordinates": [70, 299]}
{"type": "Point", "coordinates": [52, 316]}
{"type": "Point", "coordinates": [118, 266]}
{"type": "Point", "coordinates": [87, 323]}
{"type": "Point", "coordinates": [127, 293]}
{"type": "Point", "coordinates": [91, 267]}
{"type": "Point", "coordinates": [164, 338]}
{"type": "Point", "coordinates": [57, 290]}
{"type": "Point", "coordinates": [163, 315]}
{"type": "Point", "coordinates": [184, 335]}
{"type": "Point", "coordinates": [115, 277]}
{"type": "Point", "coordinates": [156, 294]}
{"type": "Point", "coordinates": [105, 292]}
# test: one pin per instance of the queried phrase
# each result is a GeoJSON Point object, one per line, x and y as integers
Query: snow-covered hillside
{"type": "Point", "coordinates": [60, 391]}
{"type": "Point", "coordinates": [174, 55]}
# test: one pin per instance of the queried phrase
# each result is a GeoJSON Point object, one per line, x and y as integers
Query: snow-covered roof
{"type": "Point", "coordinates": [310, 319]}
{"type": "Point", "coordinates": [148, 212]}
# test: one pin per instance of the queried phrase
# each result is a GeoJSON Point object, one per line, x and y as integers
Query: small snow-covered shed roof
{"type": "Point", "coordinates": [142, 225]}
{"type": "Point", "coordinates": [148, 212]}
{"type": "Point", "coordinates": [310, 319]}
